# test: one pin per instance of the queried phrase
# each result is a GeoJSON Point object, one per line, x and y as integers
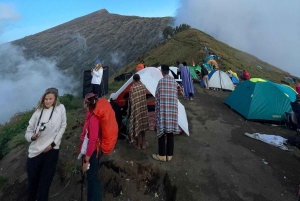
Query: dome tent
{"type": "Point", "coordinates": [260, 99]}
{"type": "Point", "coordinates": [220, 80]}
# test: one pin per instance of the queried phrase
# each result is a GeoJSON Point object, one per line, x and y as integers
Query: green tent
{"type": "Point", "coordinates": [260, 99]}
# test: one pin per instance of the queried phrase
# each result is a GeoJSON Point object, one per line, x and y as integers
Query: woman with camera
{"type": "Point", "coordinates": [89, 144]}
{"type": "Point", "coordinates": [45, 130]}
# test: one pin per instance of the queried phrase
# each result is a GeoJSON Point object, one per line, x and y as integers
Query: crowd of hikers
{"type": "Point", "coordinates": [101, 126]}
{"type": "Point", "coordinates": [99, 130]}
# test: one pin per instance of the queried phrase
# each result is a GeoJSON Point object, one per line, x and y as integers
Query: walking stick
{"type": "Point", "coordinates": [82, 181]}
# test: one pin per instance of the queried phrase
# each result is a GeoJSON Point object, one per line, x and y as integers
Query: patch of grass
{"type": "Point", "coordinates": [70, 102]}
{"type": "Point", "coordinates": [8, 131]}
{"type": "Point", "coordinates": [114, 86]}
{"type": "Point", "coordinates": [19, 139]}
{"type": "Point", "coordinates": [189, 45]}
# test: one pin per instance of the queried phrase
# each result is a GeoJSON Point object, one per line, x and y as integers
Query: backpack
{"type": "Point", "coordinates": [108, 133]}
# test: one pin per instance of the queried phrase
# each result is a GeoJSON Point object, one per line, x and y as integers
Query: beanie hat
{"type": "Point", "coordinates": [97, 62]}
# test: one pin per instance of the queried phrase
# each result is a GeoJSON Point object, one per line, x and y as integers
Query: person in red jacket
{"type": "Point", "coordinates": [89, 137]}
{"type": "Point", "coordinates": [246, 75]}
{"type": "Point", "coordinates": [140, 66]}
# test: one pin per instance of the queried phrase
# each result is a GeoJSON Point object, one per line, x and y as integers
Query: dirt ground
{"type": "Point", "coordinates": [216, 162]}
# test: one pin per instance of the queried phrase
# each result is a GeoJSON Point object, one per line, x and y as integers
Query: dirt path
{"type": "Point", "coordinates": [217, 162]}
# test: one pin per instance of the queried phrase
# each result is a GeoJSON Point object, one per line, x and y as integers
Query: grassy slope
{"type": "Point", "coordinates": [189, 45]}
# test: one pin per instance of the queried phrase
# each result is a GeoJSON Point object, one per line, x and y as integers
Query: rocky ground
{"type": "Point", "coordinates": [216, 162]}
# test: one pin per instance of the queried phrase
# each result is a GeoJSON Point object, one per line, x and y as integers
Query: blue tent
{"type": "Point", "coordinates": [260, 99]}
{"type": "Point", "coordinates": [234, 79]}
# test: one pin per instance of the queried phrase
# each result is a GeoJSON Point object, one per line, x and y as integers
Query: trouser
{"type": "Point", "coordinates": [41, 170]}
{"type": "Point", "coordinates": [298, 123]}
{"type": "Point", "coordinates": [96, 89]}
{"type": "Point", "coordinates": [162, 144]}
{"type": "Point", "coordinates": [205, 79]}
{"type": "Point", "coordinates": [94, 191]}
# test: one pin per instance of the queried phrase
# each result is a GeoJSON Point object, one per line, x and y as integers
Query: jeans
{"type": "Point", "coordinates": [41, 170]}
{"type": "Point", "coordinates": [94, 192]}
{"type": "Point", "coordinates": [162, 144]}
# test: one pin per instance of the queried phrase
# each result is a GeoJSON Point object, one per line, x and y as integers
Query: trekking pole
{"type": "Point", "coordinates": [82, 181]}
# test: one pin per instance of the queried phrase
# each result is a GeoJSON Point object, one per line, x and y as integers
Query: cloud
{"type": "Point", "coordinates": [23, 81]}
{"type": "Point", "coordinates": [267, 29]}
{"type": "Point", "coordinates": [7, 12]}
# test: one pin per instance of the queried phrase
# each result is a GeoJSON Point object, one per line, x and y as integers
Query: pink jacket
{"type": "Point", "coordinates": [298, 88]}
{"type": "Point", "coordinates": [91, 123]}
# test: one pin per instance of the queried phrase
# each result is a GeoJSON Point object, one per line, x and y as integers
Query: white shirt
{"type": "Point", "coordinates": [97, 76]}
{"type": "Point", "coordinates": [54, 131]}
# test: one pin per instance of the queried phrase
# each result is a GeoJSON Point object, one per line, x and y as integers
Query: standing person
{"type": "Point", "coordinates": [230, 73]}
{"type": "Point", "coordinates": [204, 74]}
{"type": "Point", "coordinates": [298, 87]}
{"type": "Point", "coordinates": [246, 75]}
{"type": "Point", "coordinates": [140, 66]}
{"type": "Point", "coordinates": [187, 82]}
{"type": "Point", "coordinates": [45, 130]}
{"type": "Point", "coordinates": [180, 65]}
{"type": "Point", "coordinates": [97, 74]}
{"type": "Point", "coordinates": [166, 115]}
{"type": "Point", "coordinates": [91, 159]}
{"type": "Point", "coordinates": [296, 109]}
{"type": "Point", "coordinates": [138, 113]}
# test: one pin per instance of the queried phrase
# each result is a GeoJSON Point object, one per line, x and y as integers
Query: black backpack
{"type": "Point", "coordinates": [294, 141]}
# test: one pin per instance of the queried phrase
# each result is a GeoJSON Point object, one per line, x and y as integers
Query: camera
{"type": "Point", "coordinates": [43, 127]}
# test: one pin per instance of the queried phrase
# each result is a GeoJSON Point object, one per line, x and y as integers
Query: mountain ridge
{"type": "Point", "coordinates": [114, 39]}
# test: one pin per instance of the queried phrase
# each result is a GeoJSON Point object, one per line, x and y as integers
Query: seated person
{"type": "Point", "coordinates": [296, 109]}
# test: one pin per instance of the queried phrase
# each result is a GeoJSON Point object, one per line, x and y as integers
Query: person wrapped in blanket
{"type": "Point", "coordinates": [138, 113]}
{"type": "Point", "coordinates": [88, 148]}
{"type": "Point", "coordinates": [166, 115]}
{"type": "Point", "coordinates": [296, 109]}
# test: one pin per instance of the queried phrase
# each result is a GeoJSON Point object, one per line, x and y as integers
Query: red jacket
{"type": "Point", "coordinates": [246, 75]}
{"type": "Point", "coordinates": [91, 124]}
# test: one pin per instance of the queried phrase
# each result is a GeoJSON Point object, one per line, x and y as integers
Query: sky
{"type": "Point", "coordinates": [269, 30]}
{"type": "Point", "coordinates": [20, 18]}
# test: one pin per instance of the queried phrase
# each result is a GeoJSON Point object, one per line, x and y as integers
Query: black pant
{"type": "Point", "coordinates": [94, 188]}
{"type": "Point", "coordinates": [41, 170]}
{"type": "Point", "coordinates": [298, 120]}
{"type": "Point", "coordinates": [96, 89]}
{"type": "Point", "coordinates": [162, 144]}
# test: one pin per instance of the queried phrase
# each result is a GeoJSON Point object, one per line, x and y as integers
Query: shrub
{"type": "Point", "coordinates": [70, 102]}
{"type": "Point", "coordinates": [17, 125]}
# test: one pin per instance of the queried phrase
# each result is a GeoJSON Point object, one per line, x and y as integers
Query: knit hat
{"type": "Point", "coordinates": [97, 62]}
